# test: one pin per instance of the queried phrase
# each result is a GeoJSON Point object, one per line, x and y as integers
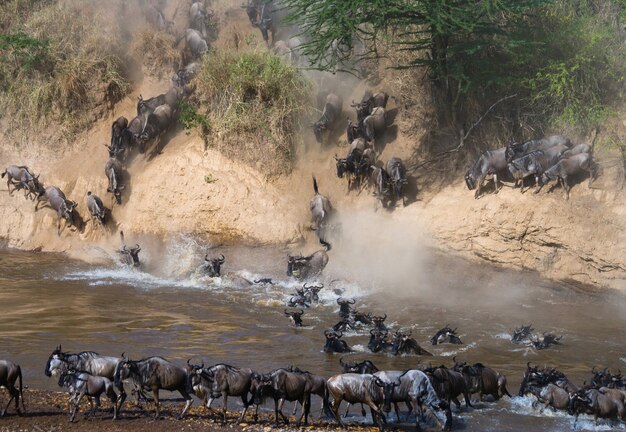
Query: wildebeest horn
{"type": "Point", "coordinates": [301, 311]}
{"type": "Point", "coordinates": [593, 370]}
{"type": "Point", "coordinates": [188, 362]}
{"type": "Point", "coordinates": [222, 259]}
{"type": "Point", "coordinates": [202, 365]}
{"type": "Point", "coordinates": [385, 317]}
{"type": "Point", "coordinates": [338, 300]}
{"type": "Point", "coordinates": [454, 359]}
{"type": "Point", "coordinates": [339, 335]}
{"type": "Point", "coordinates": [206, 257]}
{"type": "Point", "coordinates": [341, 361]}
{"type": "Point", "coordinates": [352, 302]}
{"type": "Point", "coordinates": [528, 365]}
{"type": "Point", "coordinates": [286, 313]}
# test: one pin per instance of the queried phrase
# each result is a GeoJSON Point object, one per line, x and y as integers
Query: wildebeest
{"type": "Point", "coordinates": [295, 317]}
{"type": "Point", "coordinates": [357, 388]}
{"type": "Point", "coordinates": [592, 401]}
{"type": "Point", "coordinates": [282, 386]}
{"type": "Point", "coordinates": [129, 138]}
{"type": "Point", "coordinates": [9, 374]}
{"type": "Point", "coordinates": [81, 384]}
{"type": "Point", "coordinates": [334, 344]}
{"type": "Point", "coordinates": [535, 163]}
{"type": "Point", "coordinates": [330, 115]}
{"type": "Point", "coordinates": [21, 178]}
{"type": "Point", "coordinates": [311, 293]}
{"type": "Point", "coordinates": [349, 166]}
{"type": "Point", "coordinates": [154, 373]}
{"type": "Point", "coordinates": [445, 335]}
{"type": "Point", "coordinates": [113, 170]}
{"type": "Point", "coordinates": [56, 200]}
{"type": "Point", "coordinates": [397, 177]}
{"type": "Point", "coordinates": [96, 208]}
{"type": "Point", "coordinates": [195, 43]}
{"type": "Point", "coordinates": [545, 341]}
{"type": "Point", "coordinates": [222, 380]}
{"type": "Point", "coordinates": [364, 367]}
{"type": "Point", "coordinates": [86, 361]}
{"type": "Point", "coordinates": [374, 126]}
{"type": "Point", "coordinates": [198, 18]}
{"type": "Point", "coordinates": [382, 186]}
{"type": "Point", "coordinates": [414, 388]}
{"type": "Point", "coordinates": [379, 322]}
{"type": "Point", "coordinates": [318, 388]}
{"type": "Point", "coordinates": [266, 22]}
{"type": "Point", "coordinates": [321, 210]}
{"type": "Point", "coordinates": [566, 168]}
{"type": "Point", "coordinates": [379, 342]}
{"type": "Point", "coordinates": [515, 151]}
{"type": "Point", "coordinates": [483, 380]}
{"type": "Point", "coordinates": [116, 149]}
{"type": "Point", "coordinates": [344, 324]}
{"type": "Point", "coordinates": [212, 266]}
{"type": "Point", "coordinates": [368, 102]}
{"type": "Point", "coordinates": [184, 76]}
{"type": "Point", "coordinates": [156, 125]}
{"type": "Point", "coordinates": [345, 309]}
{"type": "Point", "coordinates": [155, 17]}
{"type": "Point", "coordinates": [403, 343]}
{"type": "Point", "coordinates": [448, 384]}
{"type": "Point", "coordinates": [522, 333]}
{"type": "Point", "coordinates": [361, 317]}
{"type": "Point", "coordinates": [577, 149]}
{"type": "Point", "coordinates": [550, 395]}
{"type": "Point", "coordinates": [306, 267]}
{"type": "Point", "coordinates": [130, 256]}
{"type": "Point", "coordinates": [490, 162]}
{"type": "Point", "coordinates": [147, 106]}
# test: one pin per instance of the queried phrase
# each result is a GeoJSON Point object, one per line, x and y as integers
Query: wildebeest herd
{"type": "Point", "coordinates": [546, 159]}
{"type": "Point", "coordinates": [428, 392]}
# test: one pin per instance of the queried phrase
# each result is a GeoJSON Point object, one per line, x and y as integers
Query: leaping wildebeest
{"type": "Point", "coordinates": [86, 361]}
{"type": "Point", "coordinates": [9, 374]}
{"type": "Point", "coordinates": [306, 267]}
{"type": "Point", "coordinates": [221, 380]}
{"type": "Point", "coordinates": [20, 178]}
{"type": "Point", "coordinates": [446, 335]}
{"type": "Point", "coordinates": [154, 373]}
{"type": "Point", "coordinates": [81, 384]}
{"type": "Point", "coordinates": [397, 178]}
{"type": "Point", "coordinates": [113, 170]}
{"type": "Point", "coordinates": [212, 266]}
{"type": "Point", "coordinates": [57, 201]}
{"type": "Point", "coordinates": [330, 115]}
{"type": "Point", "coordinates": [130, 256]}
{"type": "Point", "coordinates": [321, 210]}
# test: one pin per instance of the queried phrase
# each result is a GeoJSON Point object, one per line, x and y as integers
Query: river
{"type": "Point", "coordinates": [48, 299]}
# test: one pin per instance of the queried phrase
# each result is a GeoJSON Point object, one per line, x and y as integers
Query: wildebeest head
{"type": "Point", "coordinates": [532, 376]}
{"type": "Point", "coordinates": [260, 386]}
{"type": "Point", "coordinates": [124, 369]}
{"type": "Point", "coordinates": [194, 376]}
{"type": "Point", "coordinates": [388, 389]}
{"type": "Point", "coordinates": [295, 317]}
{"type": "Point", "coordinates": [319, 128]}
{"type": "Point", "coordinates": [342, 166]}
{"type": "Point", "coordinates": [133, 253]}
{"type": "Point", "coordinates": [66, 210]}
{"type": "Point", "coordinates": [378, 340]}
{"type": "Point", "coordinates": [56, 362]}
{"type": "Point", "coordinates": [213, 265]}
{"type": "Point", "coordinates": [295, 264]}
{"type": "Point", "coordinates": [379, 322]}
{"type": "Point", "coordinates": [521, 333]}
{"type": "Point", "coordinates": [345, 307]}
{"type": "Point", "coordinates": [364, 367]}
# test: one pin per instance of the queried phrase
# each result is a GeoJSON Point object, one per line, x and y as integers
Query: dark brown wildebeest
{"type": "Point", "coordinates": [448, 384]}
{"type": "Point", "coordinates": [306, 267]}
{"type": "Point", "coordinates": [374, 127]}
{"type": "Point", "coordinates": [116, 149]}
{"type": "Point", "coordinates": [334, 344]}
{"type": "Point", "coordinates": [156, 125]}
{"type": "Point", "coordinates": [81, 384]}
{"type": "Point", "coordinates": [221, 380]}
{"type": "Point", "coordinates": [397, 178]}
{"type": "Point", "coordinates": [295, 317]}
{"type": "Point", "coordinates": [212, 266]}
{"type": "Point", "coordinates": [282, 386]}
{"type": "Point", "coordinates": [446, 334]}
{"type": "Point", "coordinates": [535, 163]}
{"type": "Point", "coordinates": [154, 373]}
{"type": "Point", "coordinates": [482, 380]}
{"type": "Point", "coordinates": [56, 200]}
{"type": "Point", "coordinates": [592, 401]}
{"type": "Point", "coordinates": [130, 256]}
{"type": "Point", "coordinates": [9, 374]}
{"type": "Point", "coordinates": [403, 343]}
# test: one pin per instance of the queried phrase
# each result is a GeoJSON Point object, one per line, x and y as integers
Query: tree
{"type": "Point", "coordinates": [452, 38]}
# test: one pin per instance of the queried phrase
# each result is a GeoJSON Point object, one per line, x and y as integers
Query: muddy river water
{"type": "Point", "coordinates": [48, 299]}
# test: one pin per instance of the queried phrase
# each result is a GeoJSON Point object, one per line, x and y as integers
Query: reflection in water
{"type": "Point", "coordinates": [46, 300]}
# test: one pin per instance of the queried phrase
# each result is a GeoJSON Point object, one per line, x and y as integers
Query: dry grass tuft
{"type": "Point", "coordinates": [157, 52]}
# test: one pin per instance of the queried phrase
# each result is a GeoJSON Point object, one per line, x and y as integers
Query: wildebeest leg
{"type": "Point", "coordinates": [567, 188]}
{"type": "Point", "coordinates": [12, 391]}
{"type": "Point", "coordinates": [480, 181]}
{"type": "Point", "coordinates": [335, 408]}
{"type": "Point", "coordinates": [113, 398]}
{"type": "Point", "coordinates": [495, 183]}
{"type": "Point", "coordinates": [188, 402]}
{"type": "Point", "coordinates": [155, 392]}
{"type": "Point", "coordinates": [246, 404]}
{"type": "Point", "coordinates": [225, 394]}
{"type": "Point", "coordinates": [379, 415]}
{"type": "Point", "coordinates": [122, 396]}
{"type": "Point", "coordinates": [347, 410]}
{"type": "Point", "coordinates": [467, 399]}
{"type": "Point", "coordinates": [522, 185]}
{"type": "Point", "coordinates": [76, 405]}
{"type": "Point", "coordinates": [538, 184]}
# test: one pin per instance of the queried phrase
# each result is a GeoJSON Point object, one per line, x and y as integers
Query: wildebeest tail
{"type": "Point", "coordinates": [502, 385]}
{"type": "Point", "coordinates": [4, 173]}
{"type": "Point", "coordinates": [315, 186]}
{"type": "Point", "coordinates": [326, 405]}
{"type": "Point", "coordinates": [19, 376]}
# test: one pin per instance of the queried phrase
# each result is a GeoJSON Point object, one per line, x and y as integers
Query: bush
{"type": "Point", "coordinates": [254, 101]}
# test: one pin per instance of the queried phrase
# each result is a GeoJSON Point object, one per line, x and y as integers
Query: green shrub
{"type": "Point", "coordinates": [254, 101]}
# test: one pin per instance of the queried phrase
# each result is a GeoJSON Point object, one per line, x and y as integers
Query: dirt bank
{"type": "Point", "coordinates": [188, 189]}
